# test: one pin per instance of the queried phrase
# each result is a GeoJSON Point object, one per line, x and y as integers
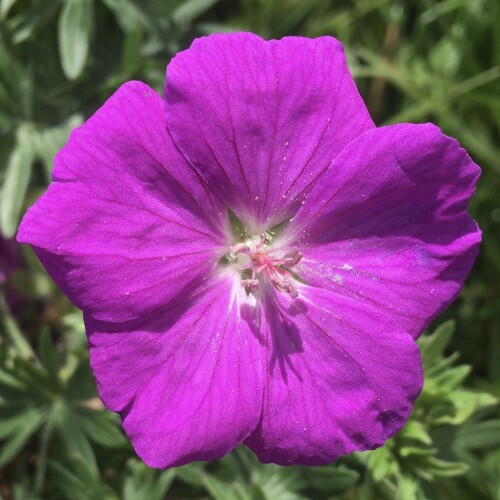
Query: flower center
{"type": "Point", "coordinates": [255, 261]}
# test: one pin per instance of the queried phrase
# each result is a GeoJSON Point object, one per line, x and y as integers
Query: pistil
{"type": "Point", "coordinates": [261, 263]}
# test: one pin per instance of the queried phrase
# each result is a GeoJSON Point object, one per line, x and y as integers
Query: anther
{"type": "Point", "coordinates": [250, 284]}
{"type": "Point", "coordinates": [278, 270]}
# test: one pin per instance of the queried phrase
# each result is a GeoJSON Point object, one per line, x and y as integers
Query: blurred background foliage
{"type": "Point", "coordinates": [419, 61]}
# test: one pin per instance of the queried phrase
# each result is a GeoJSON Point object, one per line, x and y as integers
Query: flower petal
{"type": "Point", "coordinates": [260, 121]}
{"type": "Point", "coordinates": [126, 224]}
{"type": "Point", "coordinates": [390, 226]}
{"type": "Point", "coordinates": [338, 377]}
{"type": "Point", "coordinates": [187, 382]}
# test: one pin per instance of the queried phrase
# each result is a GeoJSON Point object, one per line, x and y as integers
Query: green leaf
{"type": "Point", "coordinates": [219, 490]}
{"type": "Point", "coordinates": [48, 354]}
{"type": "Point", "coordinates": [465, 403]}
{"type": "Point", "coordinates": [75, 22]}
{"type": "Point", "coordinates": [479, 436]}
{"type": "Point", "coordinates": [32, 420]}
{"type": "Point", "coordinates": [416, 430]}
{"type": "Point", "coordinates": [79, 483]}
{"type": "Point", "coordinates": [279, 482]}
{"type": "Point", "coordinates": [18, 341]}
{"type": "Point", "coordinates": [49, 141]}
{"type": "Point", "coordinates": [406, 451]}
{"type": "Point", "coordinates": [12, 425]}
{"type": "Point", "coordinates": [162, 484]}
{"type": "Point", "coordinates": [441, 365]}
{"type": "Point", "coordinates": [16, 181]}
{"type": "Point", "coordinates": [445, 57]}
{"type": "Point", "coordinates": [191, 473]}
{"type": "Point", "coordinates": [77, 444]}
{"type": "Point", "coordinates": [127, 14]}
{"type": "Point", "coordinates": [131, 53]}
{"type": "Point", "coordinates": [433, 346]}
{"type": "Point", "coordinates": [407, 489]}
{"type": "Point", "coordinates": [446, 469]}
{"type": "Point", "coordinates": [9, 426]}
{"type": "Point", "coordinates": [35, 377]}
{"type": "Point", "coordinates": [80, 385]}
{"type": "Point", "coordinates": [379, 462]}
{"type": "Point", "coordinates": [7, 381]}
{"type": "Point", "coordinates": [144, 482]}
{"type": "Point", "coordinates": [71, 484]}
{"type": "Point", "coordinates": [451, 378]}
{"type": "Point", "coordinates": [101, 427]}
{"type": "Point", "coordinates": [334, 480]}
{"type": "Point", "coordinates": [5, 6]}
{"type": "Point", "coordinates": [189, 10]}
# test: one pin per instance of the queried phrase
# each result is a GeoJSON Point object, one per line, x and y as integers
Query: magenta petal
{"type": "Point", "coordinates": [187, 383]}
{"type": "Point", "coordinates": [125, 225]}
{"type": "Point", "coordinates": [338, 377]}
{"type": "Point", "coordinates": [260, 121]}
{"type": "Point", "coordinates": [390, 226]}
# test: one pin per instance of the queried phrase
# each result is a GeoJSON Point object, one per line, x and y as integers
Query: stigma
{"type": "Point", "coordinates": [255, 261]}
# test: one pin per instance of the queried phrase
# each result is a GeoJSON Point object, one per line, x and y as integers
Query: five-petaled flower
{"type": "Point", "coordinates": [253, 257]}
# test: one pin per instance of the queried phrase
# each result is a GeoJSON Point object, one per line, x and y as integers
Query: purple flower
{"type": "Point", "coordinates": [254, 258]}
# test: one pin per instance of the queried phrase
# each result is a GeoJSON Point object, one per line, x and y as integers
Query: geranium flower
{"type": "Point", "coordinates": [254, 258]}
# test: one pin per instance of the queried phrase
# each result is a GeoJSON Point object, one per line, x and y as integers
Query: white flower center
{"type": "Point", "coordinates": [255, 261]}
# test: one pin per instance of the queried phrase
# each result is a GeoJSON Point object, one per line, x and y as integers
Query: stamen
{"type": "Point", "coordinates": [278, 270]}
{"type": "Point", "coordinates": [292, 258]}
{"type": "Point", "coordinates": [250, 284]}
{"type": "Point", "coordinates": [240, 248]}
